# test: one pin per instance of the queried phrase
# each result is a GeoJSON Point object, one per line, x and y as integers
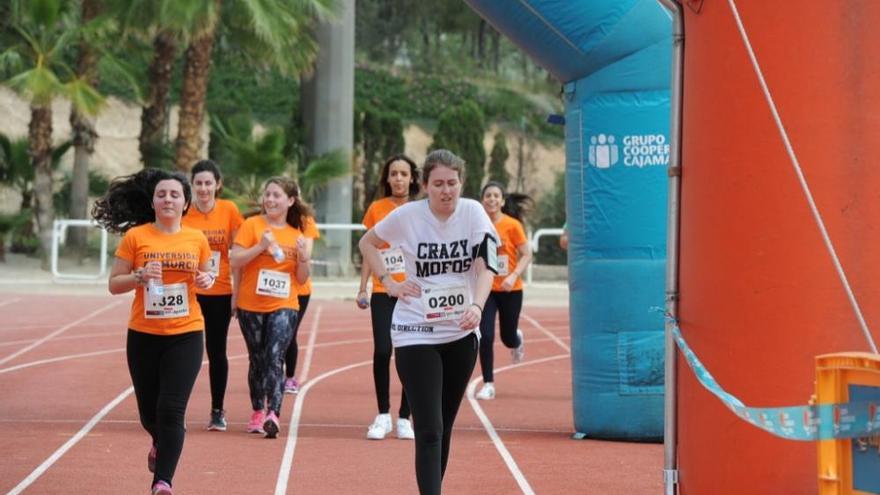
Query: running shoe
{"type": "Point", "coordinates": [487, 392]}
{"type": "Point", "coordinates": [255, 425]}
{"type": "Point", "coordinates": [151, 459]}
{"type": "Point", "coordinates": [405, 429]}
{"type": "Point", "coordinates": [381, 426]}
{"type": "Point", "coordinates": [270, 426]}
{"type": "Point", "coordinates": [161, 488]}
{"type": "Point", "coordinates": [291, 386]}
{"type": "Point", "coordinates": [218, 420]}
{"type": "Point", "coordinates": [519, 352]}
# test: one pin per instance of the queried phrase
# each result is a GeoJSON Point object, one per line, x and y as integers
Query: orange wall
{"type": "Point", "coordinates": [759, 294]}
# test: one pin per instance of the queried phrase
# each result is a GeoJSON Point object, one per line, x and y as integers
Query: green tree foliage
{"type": "Point", "coordinates": [380, 135]}
{"type": "Point", "coordinates": [498, 160]}
{"type": "Point", "coordinates": [461, 130]}
{"type": "Point", "coordinates": [551, 214]}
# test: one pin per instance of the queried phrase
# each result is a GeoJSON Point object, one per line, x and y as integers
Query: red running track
{"type": "Point", "coordinates": [68, 420]}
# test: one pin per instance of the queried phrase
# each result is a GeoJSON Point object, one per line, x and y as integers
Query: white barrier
{"type": "Point", "coordinates": [533, 242]}
{"type": "Point", "coordinates": [59, 231]}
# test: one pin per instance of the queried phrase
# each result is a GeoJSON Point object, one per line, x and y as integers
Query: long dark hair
{"type": "Point", "coordinates": [413, 171]}
{"type": "Point", "coordinates": [208, 166]}
{"type": "Point", "coordinates": [297, 214]}
{"type": "Point", "coordinates": [128, 201]}
{"type": "Point", "coordinates": [516, 205]}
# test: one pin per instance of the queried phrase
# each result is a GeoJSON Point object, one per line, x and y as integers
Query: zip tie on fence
{"type": "Point", "coordinates": [855, 419]}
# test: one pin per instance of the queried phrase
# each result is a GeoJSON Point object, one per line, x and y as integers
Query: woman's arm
{"type": "Point", "coordinates": [524, 253]}
{"type": "Point", "coordinates": [474, 313]}
{"type": "Point", "coordinates": [122, 279]}
{"type": "Point", "coordinates": [361, 298]}
{"type": "Point", "coordinates": [303, 260]}
{"type": "Point", "coordinates": [369, 246]}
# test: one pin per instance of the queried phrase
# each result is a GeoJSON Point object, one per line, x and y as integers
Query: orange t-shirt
{"type": "Point", "coordinates": [378, 210]}
{"type": "Point", "coordinates": [181, 254]}
{"type": "Point", "coordinates": [512, 236]}
{"type": "Point", "coordinates": [267, 285]}
{"type": "Point", "coordinates": [310, 231]}
{"type": "Point", "coordinates": [218, 226]}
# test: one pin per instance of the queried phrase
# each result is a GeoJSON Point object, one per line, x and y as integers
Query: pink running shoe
{"type": "Point", "coordinates": [270, 426]}
{"type": "Point", "coordinates": [151, 459]}
{"type": "Point", "coordinates": [291, 386]}
{"type": "Point", "coordinates": [255, 425]}
{"type": "Point", "coordinates": [161, 488]}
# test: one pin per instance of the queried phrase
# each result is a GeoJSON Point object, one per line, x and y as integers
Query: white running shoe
{"type": "Point", "coordinates": [519, 352]}
{"type": "Point", "coordinates": [487, 392]}
{"type": "Point", "coordinates": [405, 429]}
{"type": "Point", "coordinates": [381, 426]}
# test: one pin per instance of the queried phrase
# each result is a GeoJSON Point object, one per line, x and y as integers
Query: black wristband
{"type": "Point", "coordinates": [477, 305]}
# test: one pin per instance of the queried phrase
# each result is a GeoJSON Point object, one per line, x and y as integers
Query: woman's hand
{"type": "Point", "coordinates": [267, 239]}
{"type": "Point", "coordinates": [204, 280]}
{"type": "Point", "coordinates": [152, 271]}
{"type": "Point", "coordinates": [403, 290]}
{"type": "Point", "coordinates": [471, 317]}
{"type": "Point", "coordinates": [363, 302]}
{"type": "Point", "coordinates": [302, 250]}
{"type": "Point", "coordinates": [509, 282]}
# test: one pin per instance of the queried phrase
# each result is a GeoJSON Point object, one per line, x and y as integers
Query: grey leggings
{"type": "Point", "coordinates": [267, 336]}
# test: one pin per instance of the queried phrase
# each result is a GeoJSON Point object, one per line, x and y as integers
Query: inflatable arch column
{"type": "Point", "coordinates": [614, 58]}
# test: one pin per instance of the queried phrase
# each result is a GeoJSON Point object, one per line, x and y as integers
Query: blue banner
{"type": "Point", "coordinates": [858, 419]}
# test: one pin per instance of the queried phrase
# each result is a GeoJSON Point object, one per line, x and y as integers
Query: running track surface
{"type": "Point", "coordinates": [68, 420]}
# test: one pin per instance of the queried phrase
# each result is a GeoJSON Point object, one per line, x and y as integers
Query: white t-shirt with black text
{"type": "Point", "coordinates": [439, 256]}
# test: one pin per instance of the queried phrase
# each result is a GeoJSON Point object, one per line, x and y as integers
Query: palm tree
{"type": "Point", "coordinates": [83, 130]}
{"type": "Point", "coordinates": [44, 30]}
{"type": "Point", "coordinates": [273, 32]}
{"type": "Point", "coordinates": [167, 25]}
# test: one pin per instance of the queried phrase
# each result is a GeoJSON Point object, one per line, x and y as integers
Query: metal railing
{"type": "Point", "coordinates": [59, 231]}
{"type": "Point", "coordinates": [59, 235]}
{"type": "Point", "coordinates": [533, 242]}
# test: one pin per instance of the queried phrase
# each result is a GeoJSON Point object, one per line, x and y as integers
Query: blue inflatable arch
{"type": "Point", "coordinates": [613, 57]}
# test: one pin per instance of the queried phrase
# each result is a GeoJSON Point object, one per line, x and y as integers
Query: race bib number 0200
{"type": "Point", "coordinates": [171, 302]}
{"type": "Point", "coordinates": [393, 260]}
{"type": "Point", "coordinates": [447, 303]}
{"type": "Point", "coordinates": [273, 284]}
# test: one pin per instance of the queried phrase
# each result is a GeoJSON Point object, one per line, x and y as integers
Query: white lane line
{"type": "Point", "coordinates": [287, 460]}
{"type": "Point", "coordinates": [295, 414]}
{"type": "Point", "coordinates": [59, 332]}
{"type": "Point", "coordinates": [42, 468]}
{"type": "Point", "coordinates": [546, 332]}
{"type": "Point", "coordinates": [493, 433]}
{"type": "Point", "coordinates": [61, 358]}
{"type": "Point", "coordinates": [9, 301]}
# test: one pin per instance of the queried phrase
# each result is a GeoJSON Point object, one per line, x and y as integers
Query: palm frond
{"type": "Point", "coordinates": [323, 169]}
{"type": "Point", "coordinates": [39, 85]}
{"type": "Point", "coordinates": [84, 97]}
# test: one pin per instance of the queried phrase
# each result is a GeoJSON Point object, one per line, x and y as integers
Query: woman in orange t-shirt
{"type": "Point", "coordinates": [219, 220]}
{"type": "Point", "coordinates": [399, 183]}
{"type": "Point", "coordinates": [506, 298]}
{"type": "Point", "coordinates": [165, 263]}
{"type": "Point", "coordinates": [303, 295]}
{"type": "Point", "coordinates": [268, 249]}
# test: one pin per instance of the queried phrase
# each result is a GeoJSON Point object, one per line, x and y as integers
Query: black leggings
{"type": "Point", "coordinates": [266, 335]}
{"type": "Point", "coordinates": [435, 378]}
{"type": "Point", "coordinates": [163, 370]}
{"type": "Point", "coordinates": [217, 311]}
{"type": "Point", "coordinates": [508, 306]}
{"type": "Point", "coordinates": [293, 348]}
{"type": "Point", "coordinates": [381, 309]}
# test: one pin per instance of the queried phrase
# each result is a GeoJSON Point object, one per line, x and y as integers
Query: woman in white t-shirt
{"type": "Point", "coordinates": [449, 248]}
